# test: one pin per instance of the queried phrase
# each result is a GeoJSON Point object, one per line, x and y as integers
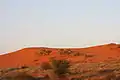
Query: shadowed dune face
{"type": "Point", "coordinates": [31, 57]}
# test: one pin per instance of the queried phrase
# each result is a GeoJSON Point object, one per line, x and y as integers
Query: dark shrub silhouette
{"type": "Point", "coordinates": [60, 66]}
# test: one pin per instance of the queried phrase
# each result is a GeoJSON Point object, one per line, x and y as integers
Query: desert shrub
{"type": "Point", "coordinates": [44, 52]}
{"type": "Point", "coordinates": [78, 54]}
{"type": "Point", "coordinates": [60, 51]}
{"type": "Point", "coordinates": [65, 51]}
{"type": "Point", "coordinates": [48, 51]}
{"type": "Point", "coordinates": [60, 66]}
{"type": "Point", "coordinates": [68, 51]}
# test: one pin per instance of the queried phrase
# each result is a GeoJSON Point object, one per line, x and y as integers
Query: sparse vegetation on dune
{"type": "Point", "coordinates": [79, 71]}
{"type": "Point", "coordinates": [95, 63]}
{"type": "Point", "coordinates": [56, 68]}
{"type": "Point", "coordinates": [44, 52]}
{"type": "Point", "coordinates": [18, 76]}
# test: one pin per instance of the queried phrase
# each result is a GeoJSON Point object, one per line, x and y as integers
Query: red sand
{"type": "Point", "coordinates": [29, 56]}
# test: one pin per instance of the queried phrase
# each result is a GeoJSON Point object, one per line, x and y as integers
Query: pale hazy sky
{"type": "Point", "coordinates": [58, 23]}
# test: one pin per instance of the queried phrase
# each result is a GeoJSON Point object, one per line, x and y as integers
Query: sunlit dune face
{"type": "Point", "coordinates": [32, 56]}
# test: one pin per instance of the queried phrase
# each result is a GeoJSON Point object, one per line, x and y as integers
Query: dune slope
{"type": "Point", "coordinates": [30, 57]}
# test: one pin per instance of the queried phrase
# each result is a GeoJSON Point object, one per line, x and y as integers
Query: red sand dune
{"type": "Point", "coordinates": [29, 56]}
